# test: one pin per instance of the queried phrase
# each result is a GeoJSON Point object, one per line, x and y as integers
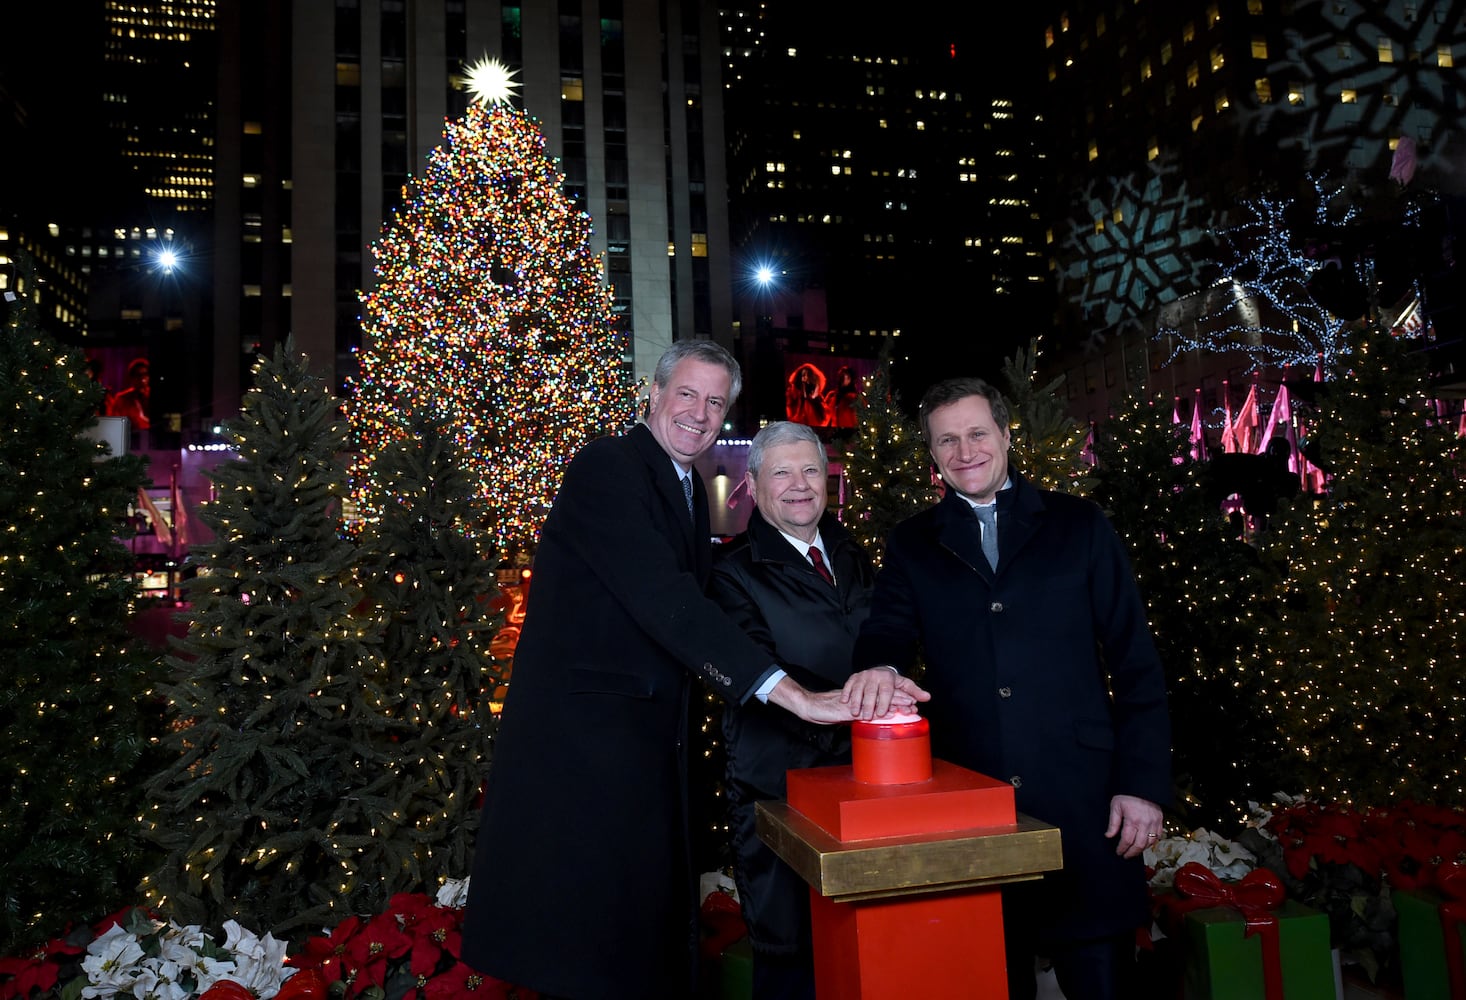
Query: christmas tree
{"type": "Point", "coordinates": [1208, 599]}
{"type": "Point", "coordinates": [1367, 655]}
{"type": "Point", "coordinates": [75, 703]}
{"type": "Point", "coordinates": [886, 465]}
{"type": "Point", "coordinates": [433, 587]}
{"type": "Point", "coordinates": [277, 699]}
{"type": "Point", "coordinates": [490, 310]}
{"type": "Point", "coordinates": [1048, 444]}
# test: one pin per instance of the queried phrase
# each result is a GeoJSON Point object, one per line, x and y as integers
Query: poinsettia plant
{"type": "Point", "coordinates": [409, 952]}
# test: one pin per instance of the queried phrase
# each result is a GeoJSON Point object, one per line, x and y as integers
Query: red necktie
{"type": "Point", "coordinates": [819, 565]}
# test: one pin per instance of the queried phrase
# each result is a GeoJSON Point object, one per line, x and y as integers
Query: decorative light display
{"type": "Point", "coordinates": [490, 315]}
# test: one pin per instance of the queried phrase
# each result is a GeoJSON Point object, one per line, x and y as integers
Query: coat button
{"type": "Point", "coordinates": [1005, 692]}
{"type": "Point", "coordinates": [996, 607]}
{"type": "Point", "coordinates": [1016, 781]}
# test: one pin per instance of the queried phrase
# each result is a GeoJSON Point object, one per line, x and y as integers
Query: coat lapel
{"type": "Point", "coordinates": [959, 533]}
{"type": "Point", "coordinates": [687, 531]}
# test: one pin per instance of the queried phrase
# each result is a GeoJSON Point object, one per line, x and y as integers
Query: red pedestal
{"type": "Point", "coordinates": [904, 874]}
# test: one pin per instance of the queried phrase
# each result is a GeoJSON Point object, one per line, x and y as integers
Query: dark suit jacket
{"type": "Point", "coordinates": [581, 884]}
{"type": "Point", "coordinates": [808, 627]}
{"type": "Point", "coordinates": [1043, 674]}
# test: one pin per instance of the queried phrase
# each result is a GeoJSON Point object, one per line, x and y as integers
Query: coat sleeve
{"type": "Point", "coordinates": [609, 515]}
{"type": "Point", "coordinates": [1142, 761]}
{"type": "Point", "coordinates": [733, 589]}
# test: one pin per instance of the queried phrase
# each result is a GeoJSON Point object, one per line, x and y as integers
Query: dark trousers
{"type": "Point", "coordinates": [783, 977]}
{"type": "Point", "coordinates": [1086, 970]}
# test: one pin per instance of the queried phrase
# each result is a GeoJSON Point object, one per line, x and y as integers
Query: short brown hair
{"type": "Point", "coordinates": [951, 390]}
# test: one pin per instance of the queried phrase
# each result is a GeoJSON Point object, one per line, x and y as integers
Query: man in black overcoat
{"type": "Point", "coordinates": [1042, 672]}
{"type": "Point", "coordinates": [581, 883]}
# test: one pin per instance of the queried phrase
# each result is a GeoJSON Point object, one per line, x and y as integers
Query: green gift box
{"type": "Point", "coordinates": [736, 971]}
{"type": "Point", "coordinates": [1223, 963]}
{"type": "Point", "coordinates": [1423, 945]}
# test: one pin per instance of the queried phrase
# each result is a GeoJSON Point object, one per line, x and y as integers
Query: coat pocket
{"type": "Point", "coordinates": [1094, 734]}
{"type": "Point", "coordinates": [584, 680]}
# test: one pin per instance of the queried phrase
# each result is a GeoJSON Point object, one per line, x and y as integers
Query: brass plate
{"type": "Point", "coordinates": [852, 870]}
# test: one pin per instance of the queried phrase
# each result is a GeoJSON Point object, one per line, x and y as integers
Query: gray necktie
{"type": "Point", "coordinates": [988, 517]}
{"type": "Point", "coordinates": [687, 492]}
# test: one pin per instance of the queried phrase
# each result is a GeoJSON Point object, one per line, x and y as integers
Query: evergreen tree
{"type": "Point", "coordinates": [490, 309]}
{"type": "Point", "coordinates": [277, 695]}
{"type": "Point", "coordinates": [1208, 599]}
{"type": "Point", "coordinates": [887, 467]}
{"type": "Point", "coordinates": [1048, 444]}
{"type": "Point", "coordinates": [1367, 658]}
{"type": "Point", "coordinates": [74, 704]}
{"type": "Point", "coordinates": [433, 583]}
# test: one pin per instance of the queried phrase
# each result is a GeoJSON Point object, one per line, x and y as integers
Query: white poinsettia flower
{"type": "Point", "coordinates": [208, 971]}
{"type": "Point", "coordinates": [1227, 859]}
{"type": "Point", "coordinates": [145, 983]}
{"type": "Point", "coordinates": [453, 892]}
{"type": "Point", "coordinates": [259, 961]}
{"type": "Point", "coordinates": [111, 963]}
{"type": "Point", "coordinates": [192, 936]}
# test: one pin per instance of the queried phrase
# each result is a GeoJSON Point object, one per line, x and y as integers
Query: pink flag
{"type": "Point", "coordinates": [1198, 433]}
{"type": "Point", "coordinates": [1229, 436]}
{"type": "Point", "coordinates": [161, 527]}
{"type": "Point", "coordinates": [180, 514]}
{"type": "Point", "coordinates": [1402, 164]}
{"type": "Point", "coordinates": [1245, 427]}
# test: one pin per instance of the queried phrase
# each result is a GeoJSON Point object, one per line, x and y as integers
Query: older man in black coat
{"type": "Point", "coordinates": [799, 584]}
{"type": "Point", "coordinates": [581, 882]}
{"type": "Point", "coordinates": [1042, 672]}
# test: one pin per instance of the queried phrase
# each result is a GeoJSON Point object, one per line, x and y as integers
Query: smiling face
{"type": "Point", "coordinates": [970, 449]}
{"type": "Point", "coordinates": [686, 415]}
{"type": "Point", "coordinates": [790, 488]}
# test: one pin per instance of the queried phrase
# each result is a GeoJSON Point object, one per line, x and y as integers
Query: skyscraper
{"type": "Point", "coordinates": [326, 110]}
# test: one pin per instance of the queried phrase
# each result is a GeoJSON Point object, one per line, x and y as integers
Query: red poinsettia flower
{"type": "Point", "coordinates": [36, 969]}
{"type": "Point", "coordinates": [462, 983]}
{"type": "Point", "coordinates": [434, 930]}
{"type": "Point", "coordinates": [369, 951]}
{"type": "Point", "coordinates": [326, 954]}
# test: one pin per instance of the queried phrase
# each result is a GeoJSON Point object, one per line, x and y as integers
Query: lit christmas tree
{"type": "Point", "coordinates": [1048, 444]}
{"type": "Point", "coordinates": [887, 467]}
{"type": "Point", "coordinates": [433, 585]}
{"type": "Point", "coordinates": [490, 312]}
{"type": "Point", "coordinates": [1208, 600]}
{"type": "Point", "coordinates": [277, 699]}
{"type": "Point", "coordinates": [74, 704]}
{"type": "Point", "coordinates": [1367, 655]}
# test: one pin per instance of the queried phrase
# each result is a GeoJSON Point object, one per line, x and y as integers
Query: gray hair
{"type": "Point", "coordinates": [783, 432]}
{"type": "Point", "coordinates": [953, 389]}
{"type": "Point", "coordinates": [709, 352]}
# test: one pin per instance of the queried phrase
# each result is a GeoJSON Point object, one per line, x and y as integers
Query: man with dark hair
{"type": "Point", "coordinates": [1042, 672]}
{"type": "Point", "coordinates": [799, 584]}
{"type": "Point", "coordinates": [582, 884]}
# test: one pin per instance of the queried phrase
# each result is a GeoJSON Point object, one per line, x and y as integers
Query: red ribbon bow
{"type": "Point", "coordinates": [1255, 897]}
{"type": "Point", "coordinates": [1451, 880]}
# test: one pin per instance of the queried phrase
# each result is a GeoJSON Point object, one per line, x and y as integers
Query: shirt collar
{"type": "Point", "coordinates": [1007, 484]}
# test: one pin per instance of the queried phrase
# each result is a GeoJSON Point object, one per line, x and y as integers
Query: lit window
{"type": "Point", "coordinates": [1118, 216]}
{"type": "Point", "coordinates": [348, 74]}
{"type": "Point", "coordinates": [671, 249]}
{"type": "Point", "coordinates": [1443, 57]}
{"type": "Point", "coordinates": [1099, 224]}
{"type": "Point", "coordinates": [1093, 150]}
{"type": "Point", "coordinates": [1049, 37]}
{"type": "Point", "coordinates": [1165, 53]}
{"type": "Point", "coordinates": [572, 88]}
{"type": "Point", "coordinates": [1193, 75]}
{"type": "Point", "coordinates": [1212, 15]}
{"type": "Point", "coordinates": [921, 126]}
{"type": "Point", "coordinates": [1099, 26]}
{"type": "Point", "coordinates": [1053, 72]}
{"type": "Point", "coordinates": [835, 169]}
{"type": "Point", "coordinates": [699, 244]}
{"type": "Point", "coordinates": [1063, 22]}
{"type": "Point", "coordinates": [1264, 90]}
{"type": "Point", "coordinates": [1145, 70]}
{"type": "Point", "coordinates": [1196, 120]}
{"type": "Point", "coordinates": [1218, 60]}
{"type": "Point", "coordinates": [1295, 94]}
{"type": "Point", "coordinates": [1348, 96]}
{"type": "Point", "coordinates": [1254, 7]}
{"type": "Point", "coordinates": [1259, 47]}
{"type": "Point", "coordinates": [1386, 50]}
{"type": "Point", "coordinates": [1188, 32]}
{"type": "Point", "coordinates": [845, 155]}
{"type": "Point", "coordinates": [1153, 149]}
{"type": "Point", "coordinates": [796, 134]}
{"type": "Point", "coordinates": [792, 52]}
{"type": "Point", "coordinates": [1221, 103]}
{"type": "Point", "coordinates": [1343, 50]}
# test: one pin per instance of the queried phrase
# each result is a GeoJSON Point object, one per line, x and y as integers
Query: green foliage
{"type": "Point", "coordinates": [1047, 443]}
{"type": "Point", "coordinates": [74, 706]}
{"type": "Point", "coordinates": [1367, 664]}
{"type": "Point", "coordinates": [278, 699]}
{"type": "Point", "coordinates": [1208, 599]}
{"type": "Point", "coordinates": [432, 582]}
{"type": "Point", "coordinates": [886, 465]}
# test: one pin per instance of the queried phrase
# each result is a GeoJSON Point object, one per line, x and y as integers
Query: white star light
{"type": "Point", "coordinates": [491, 82]}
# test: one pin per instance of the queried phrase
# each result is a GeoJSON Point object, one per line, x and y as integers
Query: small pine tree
{"type": "Point", "coordinates": [1368, 655]}
{"type": "Point", "coordinates": [432, 581]}
{"type": "Point", "coordinates": [1048, 444]}
{"type": "Point", "coordinates": [886, 465]}
{"type": "Point", "coordinates": [74, 704]}
{"type": "Point", "coordinates": [1208, 599]}
{"type": "Point", "coordinates": [277, 696]}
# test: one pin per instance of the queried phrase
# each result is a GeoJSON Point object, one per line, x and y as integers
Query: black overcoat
{"type": "Point", "coordinates": [1043, 674]}
{"type": "Point", "coordinates": [770, 589]}
{"type": "Point", "coordinates": [581, 884]}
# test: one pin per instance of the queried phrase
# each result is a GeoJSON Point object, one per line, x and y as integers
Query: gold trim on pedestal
{"type": "Point", "coordinates": [851, 870]}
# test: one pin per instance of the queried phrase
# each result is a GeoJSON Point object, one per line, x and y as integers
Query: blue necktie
{"type": "Point", "coordinates": [687, 492]}
{"type": "Point", "coordinates": [988, 517]}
